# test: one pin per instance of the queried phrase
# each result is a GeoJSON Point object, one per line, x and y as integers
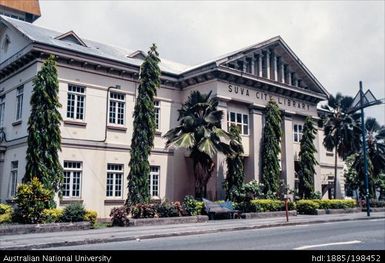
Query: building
{"type": "Point", "coordinates": [25, 10]}
{"type": "Point", "coordinates": [98, 87]}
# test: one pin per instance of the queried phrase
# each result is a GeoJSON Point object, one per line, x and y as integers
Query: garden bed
{"type": "Point", "coordinates": [268, 214]}
{"type": "Point", "coordinates": [168, 220]}
{"type": "Point", "coordinates": [15, 229]}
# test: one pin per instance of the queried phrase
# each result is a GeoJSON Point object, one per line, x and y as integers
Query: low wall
{"type": "Point", "coordinates": [268, 214]}
{"type": "Point", "coordinates": [338, 211]}
{"type": "Point", "coordinates": [14, 229]}
{"type": "Point", "coordinates": [168, 220]}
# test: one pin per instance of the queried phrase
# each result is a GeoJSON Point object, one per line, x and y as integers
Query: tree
{"type": "Point", "coordinates": [375, 141]}
{"type": "Point", "coordinates": [144, 130]}
{"type": "Point", "coordinates": [271, 149]}
{"type": "Point", "coordinates": [44, 129]}
{"type": "Point", "coordinates": [341, 131]}
{"type": "Point", "coordinates": [235, 170]}
{"type": "Point", "coordinates": [307, 160]}
{"type": "Point", "coordinates": [200, 132]}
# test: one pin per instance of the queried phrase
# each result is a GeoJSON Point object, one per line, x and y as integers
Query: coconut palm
{"type": "Point", "coordinates": [341, 130]}
{"type": "Point", "coordinates": [200, 132]}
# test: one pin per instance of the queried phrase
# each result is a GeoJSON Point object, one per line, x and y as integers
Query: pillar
{"type": "Point", "coordinates": [287, 151]}
{"type": "Point", "coordinates": [252, 70]}
{"type": "Point", "coordinates": [282, 73]}
{"type": "Point", "coordinates": [275, 65]}
{"type": "Point", "coordinates": [260, 73]}
{"type": "Point", "coordinates": [268, 64]}
{"type": "Point", "coordinates": [253, 167]}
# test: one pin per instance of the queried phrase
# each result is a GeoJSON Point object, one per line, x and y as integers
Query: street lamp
{"type": "Point", "coordinates": [363, 100]}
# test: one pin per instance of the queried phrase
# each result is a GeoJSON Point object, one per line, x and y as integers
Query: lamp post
{"type": "Point", "coordinates": [363, 100]}
{"type": "Point", "coordinates": [364, 150]}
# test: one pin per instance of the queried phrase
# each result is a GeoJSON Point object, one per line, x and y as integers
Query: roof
{"type": "Point", "coordinates": [74, 43]}
{"type": "Point", "coordinates": [47, 36]}
{"type": "Point", "coordinates": [28, 6]}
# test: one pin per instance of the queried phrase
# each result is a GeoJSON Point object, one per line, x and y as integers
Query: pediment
{"type": "Point", "coordinates": [139, 54]}
{"type": "Point", "coordinates": [71, 37]}
{"type": "Point", "coordinates": [275, 61]}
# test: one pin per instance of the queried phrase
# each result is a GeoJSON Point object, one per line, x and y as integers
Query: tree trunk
{"type": "Point", "coordinates": [335, 174]}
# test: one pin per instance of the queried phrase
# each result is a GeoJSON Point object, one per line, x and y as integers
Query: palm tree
{"type": "Point", "coordinates": [375, 141]}
{"type": "Point", "coordinates": [200, 132]}
{"type": "Point", "coordinates": [341, 129]}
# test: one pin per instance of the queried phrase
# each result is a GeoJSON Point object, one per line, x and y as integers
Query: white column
{"type": "Point", "coordinates": [260, 65]}
{"type": "Point", "coordinates": [290, 78]}
{"type": "Point", "coordinates": [275, 67]}
{"type": "Point", "coordinates": [252, 71]}
{"type": "Point", "coordinates": [244, 65]}
{"type": "Point", "coordinates": [282, 73]}
{"type": "Point", "coordinates": [255, 69]}
{"type": "Point", "coordinates": [296, 82]}
{"type": "Point", "coordinates": [253, 163]}
{"type": "Point", "coordinates": [268, 64]}
{"type": "Point", "coordinates": [287, 151]}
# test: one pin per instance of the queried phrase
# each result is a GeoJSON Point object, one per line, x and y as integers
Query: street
{"type": "Point", "coordinates": [348, 235]}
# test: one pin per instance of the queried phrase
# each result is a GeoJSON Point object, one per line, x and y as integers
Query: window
{"type": "Point", "coordinates": [154, 181]}
{"type": "Point", "coordinates": [297, 132]}
{"type": "Point", "coordinates": [72, 179]}
{"type": "Point", "coordinates": [13, 182]}
{"type": "Point", "coordinates": [75, 102]}
{"type": "Point", "coordinates": [114, 180]}
{"type": "Point", "coordinates": [240, 120]}
{"type": "Point", "coordinates": [117, 108]}
{"type": "Point", "coordinates": [157, 113]}
{"type": "Point", "coordinates": [2, 109]}
{"type": "Point", "coordinates": [19, 102]}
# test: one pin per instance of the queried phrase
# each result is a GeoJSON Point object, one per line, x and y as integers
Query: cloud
{"type": "Point", "coordinates": [340, 42]}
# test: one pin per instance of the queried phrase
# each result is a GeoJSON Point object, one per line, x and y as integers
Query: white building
{"type": "Point", "coordinates": [97, 88]}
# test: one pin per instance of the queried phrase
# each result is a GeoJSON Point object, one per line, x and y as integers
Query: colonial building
{"type": "Point", "coordinates": [98, 84]}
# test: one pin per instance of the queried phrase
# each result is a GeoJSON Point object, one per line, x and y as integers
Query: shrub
{"type": "Point", "coordinates": [307, 207]}
{"type": "Point", "coordinates": [374, 203]}
{"type": "Point", "coordinates": [335, 204]}
{"type": "Point", "coordinates": [248, 192]}
{"type": "Point", "coordinates": [119, 216]}
{"type": "Point", "coordinates": [167, 209]}
{"type": "Point", "coordinates": [31, 199]}
{"type": "Point", "coordinates": [5, 213]}
{"type": "Point", "coordinates": [267, 205]}
{"type": "Point", "coordinates": [144, 210]}
{"type": "Point", "coordinates": [6, 218]}
{"type": "Point", "coordinates": [73, 213]}
{"type": "Point", "coordinates": [5, 209]}
{"type": "Point", "coordinates": [52, 215]}
{"type": "Point", "coordinates": [90, 216]}
{"type": "Point", "coordinates": [193, 207]}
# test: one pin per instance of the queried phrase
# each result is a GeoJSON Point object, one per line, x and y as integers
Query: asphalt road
{"type": "Point", "coordinates": [348, 235]}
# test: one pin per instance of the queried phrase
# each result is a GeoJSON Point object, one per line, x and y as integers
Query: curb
{"type": "Point", "coordinates": [172, 234]}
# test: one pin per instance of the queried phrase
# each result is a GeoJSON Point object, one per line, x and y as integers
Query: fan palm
{"type": "Point", "coordinates": [200, 132]}
{"type": "Point", "coordinates": [375, 141]}
{"type": "Point", "coordinates": [341, 130]}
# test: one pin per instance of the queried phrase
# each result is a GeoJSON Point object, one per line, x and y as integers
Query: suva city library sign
{"type": "Point", "coordinates": [283, 102]}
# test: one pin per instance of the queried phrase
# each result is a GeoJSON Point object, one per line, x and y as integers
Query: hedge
{"type": "Point", "coordinates": [5, 213]}
{"type": "Point", "coordinates": [309, 207]}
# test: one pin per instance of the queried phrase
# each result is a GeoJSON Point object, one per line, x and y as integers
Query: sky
{"type": "Point", "coordinates": [341, 42]}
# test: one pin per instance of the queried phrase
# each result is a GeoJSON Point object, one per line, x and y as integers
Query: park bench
{"type": "Point", "coordinates": [212, 209]}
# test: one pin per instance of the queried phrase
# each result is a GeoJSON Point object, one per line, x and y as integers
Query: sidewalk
{"type": "Point", "coordinates": [113, 234]}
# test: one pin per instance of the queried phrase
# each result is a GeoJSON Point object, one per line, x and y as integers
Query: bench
{"type": "Point", "coordinates": [212, 209]}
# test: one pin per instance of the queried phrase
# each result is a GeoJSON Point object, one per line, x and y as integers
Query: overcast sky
{"type": "Point", "coordinates": [340, 42]}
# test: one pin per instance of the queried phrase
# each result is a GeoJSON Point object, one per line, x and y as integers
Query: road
{"type": "Point", "coordinates": [348, 235]}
